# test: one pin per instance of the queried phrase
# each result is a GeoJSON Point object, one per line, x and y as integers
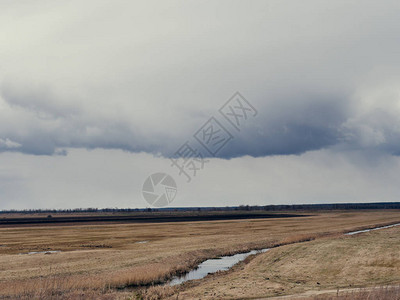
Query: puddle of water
{"type": "Point", "coordinates": [142, 242]}
{"type": "Point", "coordinates": [214, 265]}
{"type": "Point", "coordinates": [372, 229]}
{"type": "Point", "coordinates": [41, 252]}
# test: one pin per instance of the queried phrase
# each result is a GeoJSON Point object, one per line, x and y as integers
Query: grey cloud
{"type": "Point", "coordinates": [122, 80]}
{"type": "Point", "coordinates": [41, 125]}
{"type": "Point", "coordinates": [283, 126]}
{"type": "Point", "coordinates": [311, 122]}
{"type": "Point", "coordinates": [9, 144]}
{"type": "Point", "coordinates": [378, 130]}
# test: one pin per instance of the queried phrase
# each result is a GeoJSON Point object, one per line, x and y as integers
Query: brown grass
{"type": "Point", "coordinates": [343, 262]}
{"type": "Point", "coordinates": [115, 260]}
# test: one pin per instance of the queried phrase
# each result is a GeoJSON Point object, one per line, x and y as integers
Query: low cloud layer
{"type": "Point", "coordinates": [34, 122]}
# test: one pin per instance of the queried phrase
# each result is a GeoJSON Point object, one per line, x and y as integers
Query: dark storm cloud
{"type": "Point", "coordinates": [284, 126]}
{"type": "Point", "coordinates": [289, 125]}
{"type": "Point", "coordinates": [292, 126]}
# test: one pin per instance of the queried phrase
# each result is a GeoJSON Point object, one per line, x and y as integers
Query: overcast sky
{"type": "Point", "coordinates": [97, 95]}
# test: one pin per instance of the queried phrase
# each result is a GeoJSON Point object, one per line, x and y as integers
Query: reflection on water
{"type": "Point", "coordinates": [371, 229]}
{"type": "Point", "coordinates": [41, 252]}
{"type": "Point", "coordinates": [214, 265]}
{"type": "Point", "coordinates": [226, 262]}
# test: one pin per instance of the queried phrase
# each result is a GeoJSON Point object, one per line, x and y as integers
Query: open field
{"type": "Point", "coordinates": [338, 263]}
{"type": "Point", "coordinates": [106, 259]}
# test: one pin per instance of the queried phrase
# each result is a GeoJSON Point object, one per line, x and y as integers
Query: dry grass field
{"type": "Point", "coordinates": [340, 263]}
{"type": "Point", "coordinates": [115, 261]}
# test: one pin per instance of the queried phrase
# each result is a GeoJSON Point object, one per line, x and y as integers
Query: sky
{"type": "Point", "coordinates": [95, 96]}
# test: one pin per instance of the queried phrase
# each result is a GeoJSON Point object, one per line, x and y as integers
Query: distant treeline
{"type": "Point", "coordinates": [334, 206]}
{"type": "Point", "coordinates": [294, 207]}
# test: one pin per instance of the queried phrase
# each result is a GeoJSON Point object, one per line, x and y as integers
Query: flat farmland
{"type": "Point", "coordinates": [325, 268]}
{"type": "Point", "coordinates": [127, 260]}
